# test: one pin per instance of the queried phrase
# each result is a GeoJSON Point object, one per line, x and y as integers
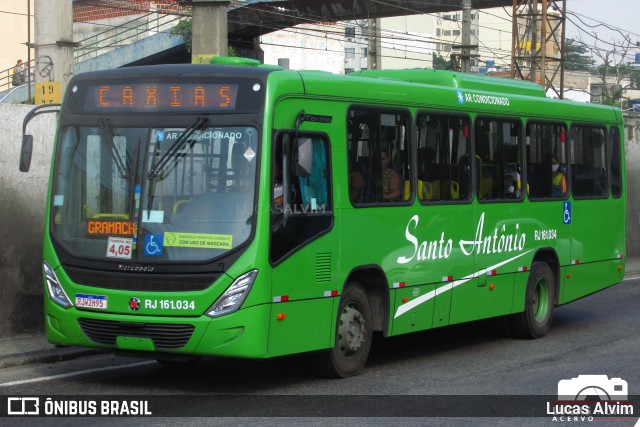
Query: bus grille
{"type": "Point", "coordinates": [137, 282]}
{"type": "Point", "coordinates": [163, 335]}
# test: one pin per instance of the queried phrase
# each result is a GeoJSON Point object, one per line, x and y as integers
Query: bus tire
{"type": "Point", "coordinates": [354, 330]}
{"type": "Point", "coordinates": [535, 320]}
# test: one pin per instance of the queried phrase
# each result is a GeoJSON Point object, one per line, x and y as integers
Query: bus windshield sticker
{"type": "Point", "coordinates": [566, 213]}
{"type": "Point", "coordinates": [58, 200]}
{"type": "Point", "coordinates": [198, 240]}
{"type": "Point", "coordinates": [154, 244]}
{"type": "Point", "coordinates": [249, 154]}
{"type": "Point", "coordinates": [119, 247]}
{"type": "Point", "coordinates": [156, 217]}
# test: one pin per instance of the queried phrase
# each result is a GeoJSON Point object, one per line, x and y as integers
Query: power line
{"type": "Point", "coordinates": [389, 37]}
{"type": "Point", "coordinates": [15, 13]}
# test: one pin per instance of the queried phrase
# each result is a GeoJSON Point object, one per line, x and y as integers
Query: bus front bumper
{"type": "Point", "coordinates": [240, 334]}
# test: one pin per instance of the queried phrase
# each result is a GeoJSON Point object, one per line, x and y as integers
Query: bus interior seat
{"type": "Point", "coordinates": [110, 216]}
{"type": "Point", "coordinates": [179, 206]}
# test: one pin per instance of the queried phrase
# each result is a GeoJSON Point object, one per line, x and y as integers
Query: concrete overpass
{"type": "Point", "coordinates": [249, 19]}
{"type": "Point", "coordinates": [252, 18]}
{"type": "Point", "coordinates": [262, 17]}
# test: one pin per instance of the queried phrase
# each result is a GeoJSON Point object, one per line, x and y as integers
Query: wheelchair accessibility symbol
{"type": "Point", "coordinates": [154, 244]}
{"type": "Point", "coordinates": [566, 213]}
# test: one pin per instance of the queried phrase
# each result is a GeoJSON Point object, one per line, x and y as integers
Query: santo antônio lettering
{"type": "Point", "coordinates": [501, 240]}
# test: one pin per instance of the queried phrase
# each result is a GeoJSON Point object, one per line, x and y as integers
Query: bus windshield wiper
{"type": "Point", "coordinates": [108, 136]}
{"type": "Point", "coordinates": [156, 168]}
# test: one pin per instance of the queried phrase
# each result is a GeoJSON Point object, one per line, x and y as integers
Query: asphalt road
{"type": "Point", "coordinates": [480, 371]}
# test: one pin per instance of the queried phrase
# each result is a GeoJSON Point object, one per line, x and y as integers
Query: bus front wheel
{"type": "Point", "coordinates": [535, 320]}
{"type": "Point", "coordinates": [353, 336]}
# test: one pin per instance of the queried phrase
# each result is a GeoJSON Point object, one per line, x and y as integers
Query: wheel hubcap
{"type": "Point", "coordinates": [541, 301]}
{"type": "Point", "coordinates": [352, 330]}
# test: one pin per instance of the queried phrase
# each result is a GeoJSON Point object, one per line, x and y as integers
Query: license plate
{"type": "Point", "coordinates": [91, 301]}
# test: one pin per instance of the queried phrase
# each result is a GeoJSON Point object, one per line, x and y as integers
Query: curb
{"type": "Point", "coordinates": [47, 356]}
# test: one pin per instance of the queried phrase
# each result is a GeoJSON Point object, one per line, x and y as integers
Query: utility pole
{"type": "Point", "coordinates": [54, 46]}
{"type": "Point", "coordinates": [29, 47]}
{"type": "Point", "coordinates": [537, 53]}
{"type": "Point", "coordinates": [466, 47]}
{"type": "Point", "coordinates": [374, 44]}
{"type": "Point", "coordinates": [209, 34]}
{"type": "Point", "coordinates": [465, 55]}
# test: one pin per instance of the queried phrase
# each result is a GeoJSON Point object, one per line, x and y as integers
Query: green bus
{"type": "Point", "coordinates": [242, 210]}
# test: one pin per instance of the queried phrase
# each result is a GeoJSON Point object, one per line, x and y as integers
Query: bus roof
{"type": "Point", "coordinates": [453, 91]}
{"type": "Point", "coordinates": [457, 80]}
{"type": "Point", "coordinates": [184, 70]}
{"type": "Point", "coordinates": [418, 87]}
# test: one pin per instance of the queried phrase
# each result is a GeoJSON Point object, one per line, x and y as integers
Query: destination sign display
{"type": "Point", "coordinates": [110, 227]}
{"type": "Point", "coordinates": [161, 96]}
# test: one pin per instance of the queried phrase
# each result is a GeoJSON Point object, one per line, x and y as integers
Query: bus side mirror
{"type": "Point", "coordinates": [27, 140]}
{"type": "Point", "coordinates": [25, 153]}
{"type": "Point", "coordinates": [303, 157]}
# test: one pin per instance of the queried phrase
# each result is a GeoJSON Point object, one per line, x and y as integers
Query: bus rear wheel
{"type": "Point", "coordinates": [535, 320]}
{"type": "Point", "coordinates": [353, 336]}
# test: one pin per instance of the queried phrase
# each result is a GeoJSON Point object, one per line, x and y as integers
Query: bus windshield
{"type": "Point", "coordinates": [154, 194]}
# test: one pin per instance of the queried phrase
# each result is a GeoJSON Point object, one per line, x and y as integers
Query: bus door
{"type": "Point", "coordinates": [595, 237]}
{"type": "Point", "coordinates": [302, 254]}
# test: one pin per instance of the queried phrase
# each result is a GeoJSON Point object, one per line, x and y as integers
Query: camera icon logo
{"type": "Point", "coordinates": [593, 388]}
{"type": "Point", "coordinates": [23, 406]}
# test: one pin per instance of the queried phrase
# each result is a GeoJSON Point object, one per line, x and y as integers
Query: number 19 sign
{"type": "Point", "coordinates": [48, 93]}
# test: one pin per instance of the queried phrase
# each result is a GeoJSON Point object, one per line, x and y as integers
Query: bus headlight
{"type": "Point", "coordinates": [56, 293]}
{"type": "Point", "coordinates": [234, 296]}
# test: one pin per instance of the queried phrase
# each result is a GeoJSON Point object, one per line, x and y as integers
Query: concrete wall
{"type": "Point", "coordinates": [23, 199]}
{"type": "Point", "coordinates": [632, 144]}
{"type": "Point", "coordinates": [22, 204]}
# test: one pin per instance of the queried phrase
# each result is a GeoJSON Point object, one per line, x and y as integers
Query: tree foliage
{"type": "Point", "coordinates": [613, 74]}
{"type": "Point", "coordinates": [184, 30]}
{"type": "Point", "coordinates": [440, 62]}
{"type": "Point", "coordinates": [576, 56]}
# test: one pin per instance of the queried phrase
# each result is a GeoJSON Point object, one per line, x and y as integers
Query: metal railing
{"type": "Point", "coordinates": [127, 33]}
{"type": "Point", "coordinates": [98, 44]}
{"type": "Point", "coordinates": [6, 76]}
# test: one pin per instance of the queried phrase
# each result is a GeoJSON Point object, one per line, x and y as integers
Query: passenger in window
{"type": "Point", "coordinates": [278, 188]}
{"type": "Point", "coordinates": [357, 184]}
{"type": "Point", "coordinates": [558, 180]}
{"type": "Point", "coordinates": [391, 185]}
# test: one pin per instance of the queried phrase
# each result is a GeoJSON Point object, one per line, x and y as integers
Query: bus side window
{"type": "Point", "coordinates": [313, 188]}
{"type": "Point", "coordinates": [588, 161]}
{"type": "Point", "coordinates": [615, 162]}
{"type": "Point", "coordinates": [443, 147]}
{"type": "Point", "coordinates": [545, 144]}
{"type": "Point", "coordinates": [498, 145]}
{"type": "Point", "coordinates": [378, 146]}
{"type": "Point", "coordinates": [301, 207]}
